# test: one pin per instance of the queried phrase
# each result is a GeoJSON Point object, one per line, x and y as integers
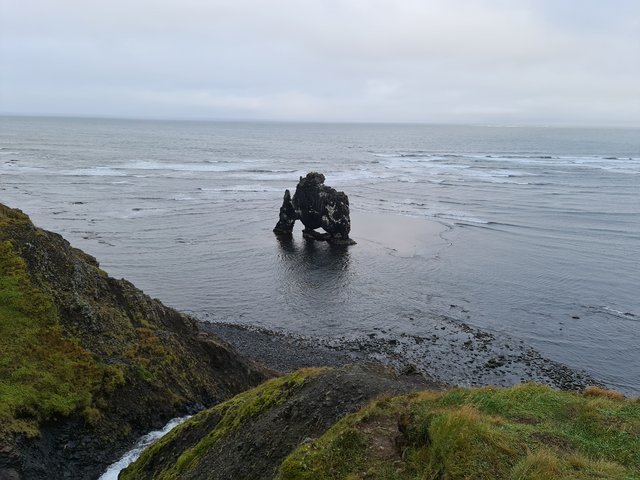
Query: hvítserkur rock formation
{"type": "Point", "coordinates": [316, 205]}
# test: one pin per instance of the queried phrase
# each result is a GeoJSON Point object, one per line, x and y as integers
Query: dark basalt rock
{"type": "Point", "coordinates": [287, 216]}
{"type": "Point", "coordinates": [316, 205]}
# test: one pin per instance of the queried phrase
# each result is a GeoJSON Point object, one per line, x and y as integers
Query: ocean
{"type": "Point", "coordinates": [536, 238]}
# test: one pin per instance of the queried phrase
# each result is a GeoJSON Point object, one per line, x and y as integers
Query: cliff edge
{"type": "Point", "coordinates": [354, 423]}
{"type": "Point", "coordinates": [88, 362]}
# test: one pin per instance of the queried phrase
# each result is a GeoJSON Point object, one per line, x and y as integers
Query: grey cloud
{"type": "Point", "coordinates": [464, 61]}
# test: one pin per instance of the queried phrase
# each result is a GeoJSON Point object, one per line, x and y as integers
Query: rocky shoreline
{"type": "Point", "coordinates": [455, 354]}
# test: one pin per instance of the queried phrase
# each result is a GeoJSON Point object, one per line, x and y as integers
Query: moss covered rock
{"type": "Point", "coordinates": [322, 424]}
{"type": "Point", "coordinates": [88, 362]}
{"type": "Point", "coordinates": [249, 436]}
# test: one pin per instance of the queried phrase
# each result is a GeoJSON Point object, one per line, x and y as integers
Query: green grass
{"type": "Point", "coordinates": [69, 336]}
{"type": "Point", "coordinates": [524, 432]}
{"type": "Point", "coordinates": [43, 374]}
{"type": "Point", "coordinates": [230, 415]}
{"type": "Point", "coordinates": [335, 455]}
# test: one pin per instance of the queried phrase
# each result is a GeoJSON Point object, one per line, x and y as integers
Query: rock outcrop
{"type": "Point", "coordinates": [249, 436]}
{"type": "Point", "coordinates": [316, 205]}
{"type": "Point", "coordinates": [359, 422]}
{"type": "Point", "coordinates": [88, 363]}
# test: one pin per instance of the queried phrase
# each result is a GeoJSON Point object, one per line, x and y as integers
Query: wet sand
{"type": "Point", "coordinates": [405, 236]}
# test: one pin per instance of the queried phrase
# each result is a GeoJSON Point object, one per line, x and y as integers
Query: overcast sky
{"type": "Point", "coordinates": [558, 62]}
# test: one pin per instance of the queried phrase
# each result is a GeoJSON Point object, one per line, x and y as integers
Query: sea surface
{"type": "Point", "coordinates": [538, 239]}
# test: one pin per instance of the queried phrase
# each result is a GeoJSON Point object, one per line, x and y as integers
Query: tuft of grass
{"type": "Point", "coordinates": [338, 454]}
{"type": "Point", "coordinates": [12, 216]}
{"type": "Point", "coordinates": [226, 417]}
{"type": "Point", "coordinates": [544, 464]}
{"type": "Point", "coordinates": [594, 391]}
{"type": "Point", "coordinates": [524, 432]}
{"type": "Point", "coordinates": [464, 440]}
{"type": "Point", "coordinates": [43, 374]}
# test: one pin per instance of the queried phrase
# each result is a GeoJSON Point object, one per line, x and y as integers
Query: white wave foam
{"type": "Point", "coordinates": [614, 312]}
{"type": "Point", "coordinates": [481, 167]}
{"type": "Point", "coordinates": [607, 162]}
{"type": "Point", "coordinates": [178, 167]}
{"type": "Point", "coordinates": [16, 168]}
{"type": "Point", "coordinates": [360, 175]}
{"type": "Point", "coordinates": [93, 172]}
{"type": "Point", "coordinates": [244, 188]}
{"type": "Point", "coordinates": [182, 198]}
{"type": "Point", "coordinates": [462, 172]}
{"type": "Point", "coordinates": [460, 217]}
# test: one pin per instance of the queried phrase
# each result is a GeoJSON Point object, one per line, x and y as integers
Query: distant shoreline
{"type": "Point", "coordinates": [53, 116]}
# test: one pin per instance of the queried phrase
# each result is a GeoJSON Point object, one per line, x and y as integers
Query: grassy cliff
{"type": "Point", "coordinates": [525, 432]}
{"type": "Point", "coordinates": [208, 427]}
{"type": "Point", "coordinates": [88, 362]}
{"type": "Point", "coordinates": [528, 431]}
{"type": "Point", "coordinates": [249, 436]}
{"type": "Point", "coordinates": [43, 373]}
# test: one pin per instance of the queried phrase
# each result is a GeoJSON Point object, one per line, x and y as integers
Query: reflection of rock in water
{"type": "Point", "coordinates": [316, 206]}
{"type": "Point", "coordinates": [306, 266]}
{"type": "Point", "coordinates": [286, 243]}
{"type": "Point", "coordinates": [328, 258]}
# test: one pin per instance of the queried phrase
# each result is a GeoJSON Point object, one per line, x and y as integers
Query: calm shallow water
{"type": "Point", "coordinates": [539, 225]}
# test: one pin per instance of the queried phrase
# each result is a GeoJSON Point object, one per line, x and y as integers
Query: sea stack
{"type": "Point", "coordinates": [316, 205]}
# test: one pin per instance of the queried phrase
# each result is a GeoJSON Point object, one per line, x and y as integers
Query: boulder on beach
{"type": "Point", "coordinates": [316, 205]}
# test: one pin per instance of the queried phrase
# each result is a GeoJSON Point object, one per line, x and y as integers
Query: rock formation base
{"type": "Point", "coordinates": [316, 205]}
